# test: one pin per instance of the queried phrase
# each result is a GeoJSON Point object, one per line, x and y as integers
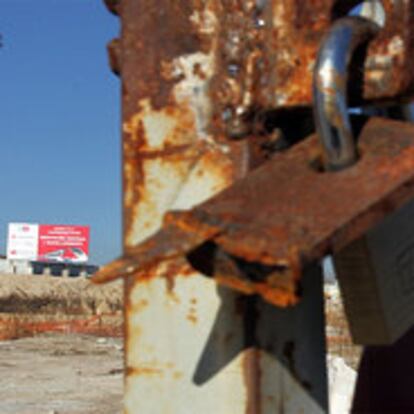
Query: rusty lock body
{"type": "Point", "coordinates": [283, 216]}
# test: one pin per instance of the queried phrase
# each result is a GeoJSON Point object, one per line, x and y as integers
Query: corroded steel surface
{"type": "Point", "coordinates": [188, 341]}
{"type": "Point", "coordinates": [168, 59]}
{"type": "Point", "coordinates": [168, 54]}
{"type": "Point", "coordinates": [297, 28]}
{"type": "Point", "coordinates": [253, 55]}
{"type": "Point", "coordinates": [267, 50]}
{"type": "Point", "coordinates": [287, 213]}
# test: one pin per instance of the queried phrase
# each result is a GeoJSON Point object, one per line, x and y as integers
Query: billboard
{"type": "Point", "coordinates": [46, 242]}
{"type": "Point", "coordinates": [63, 243]}
{"type": "Point", "coordinates": [22, 241]}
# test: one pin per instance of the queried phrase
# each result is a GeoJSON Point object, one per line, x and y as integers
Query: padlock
{"type": "Point", "coordinates": [376, 271]}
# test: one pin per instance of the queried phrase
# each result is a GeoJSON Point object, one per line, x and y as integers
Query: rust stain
{"type": "Point", "coordinates": [173, 268]}
{"type": "Point", "coordinates": [159, 114]}
{"type": "Point", "coordinates": [241, 63]}
{"type": "Point", "coordinates": [175, 127]}
{"type": "Point", "coordinates": [144, 371]}
{"type": "Point", "coordinates": [175, 149]}
{"type": "Point", "coordinates": [192, 318]}
{"type": "Point", "coordinates": [389, 67]}
{"type": "Point", "coordinates": [178, 375]}
{"type": "Point", "coordinates": [252, 378]}
{"type": "Point", "coordinates": [172, 35]}
{"type": "Point", "coordinates": [140, 306]}
{"type": "Point", "coordinates": [296, 33]}
{"type": "Point", "coordinates": [154, 369]}
{"type": "Point", "coordinates": [297, 30]}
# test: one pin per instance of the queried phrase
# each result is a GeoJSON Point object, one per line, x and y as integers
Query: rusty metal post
{"type": "Point", "coordinates": [196, 75]}
{"type": "Point", "coordinates": [190, 345]}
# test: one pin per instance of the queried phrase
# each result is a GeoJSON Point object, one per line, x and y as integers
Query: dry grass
{"type": "Point", "coordinates": [51, 295]}
{"type": "Point", "coordinates": [35, 304]}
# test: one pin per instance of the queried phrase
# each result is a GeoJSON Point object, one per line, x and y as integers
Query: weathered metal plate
{"type": "Point", "coordinates": [287, 213]}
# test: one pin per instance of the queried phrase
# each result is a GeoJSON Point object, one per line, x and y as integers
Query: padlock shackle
{"type": "Point", "coordinates": [330, 81]}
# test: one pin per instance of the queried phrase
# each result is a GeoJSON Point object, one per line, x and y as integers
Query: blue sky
{"type": "Point", "coordinates": [60, 119]}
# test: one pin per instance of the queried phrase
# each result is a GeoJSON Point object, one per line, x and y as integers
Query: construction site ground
{"type": "Point", "coordinates": [61, 345]}
{"type": "Point", "coordinates": [61, 374]}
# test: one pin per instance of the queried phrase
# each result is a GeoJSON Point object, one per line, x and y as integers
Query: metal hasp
{"type": "Point", "coordinates": [303, 216]}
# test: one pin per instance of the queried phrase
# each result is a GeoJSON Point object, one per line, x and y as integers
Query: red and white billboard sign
{"type": "Point", "coordinates": [45, 242]}
{"type": "Point", "coordinates": [63, 243]}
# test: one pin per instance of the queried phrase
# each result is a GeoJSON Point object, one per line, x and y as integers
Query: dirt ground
{"type": "Point", "coordinates": [60, 346]}
{"type": "Point", "coordinates": [61, 374]}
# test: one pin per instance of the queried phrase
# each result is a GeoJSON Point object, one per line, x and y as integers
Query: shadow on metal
{"type": "Point", "coordinates": [271, 336]}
